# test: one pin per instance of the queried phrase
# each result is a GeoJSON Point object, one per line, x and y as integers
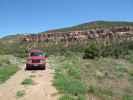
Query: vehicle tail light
{"type": "Point", "coordinates": [42, 61]}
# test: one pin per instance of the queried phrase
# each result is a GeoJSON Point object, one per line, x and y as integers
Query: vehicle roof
{"type": "Point", "coordinates": [36, 50]}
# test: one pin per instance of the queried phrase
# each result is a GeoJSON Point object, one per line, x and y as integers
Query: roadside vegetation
{"type": "Point", "coordinates": [68, 78]}
{"type": "Point", "coordinates": [20, 93]}
{"type": "Point", "coordinates": [98, 71]}
{"type": "Point", "coordinates": [28, 81]}
{"type": "Point", "coordinates": [115, 49]}
{"type": "Point", "coordinates": [99, 79]}
{"type": "Point", "coordinates": [95, 70]}
{"type": "Point", "coordinates": [7, 68]}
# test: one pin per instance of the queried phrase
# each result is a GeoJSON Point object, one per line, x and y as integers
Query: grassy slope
{"type": "Point", "coordinates": [93, 25]}
{"type": "Point", "coordinates": [107, 78]}
{"type": "Point", "coordinates": [6, 72]}
{"type": "Point", "coordinates": [7, 68]}
{"type": "Point", "coordinates": [100, 79]}
{"type": "Point", "coordinates": [68, 77]}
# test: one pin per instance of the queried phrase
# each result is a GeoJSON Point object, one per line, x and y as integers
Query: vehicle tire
{"type": "Point", "coordinates": [44, 67]}
{"type": "Point", "coordinates": [27, 67]}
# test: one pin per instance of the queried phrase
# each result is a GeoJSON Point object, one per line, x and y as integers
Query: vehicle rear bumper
{"type": "Point", "coordinates": [35, 66]}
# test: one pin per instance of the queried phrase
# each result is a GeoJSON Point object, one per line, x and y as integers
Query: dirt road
{"type": "Point", "coordinates": [41, 90]}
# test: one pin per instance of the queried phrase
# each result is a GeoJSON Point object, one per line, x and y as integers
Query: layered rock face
{"type": "Point", "coordinates": [114, 32]}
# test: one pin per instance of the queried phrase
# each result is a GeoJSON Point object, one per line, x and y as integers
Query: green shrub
{"type": "Point", "coordinates": [28, 81]}
{"type": "Point", "coordinates": [66, 97]}
{"type": "Point", "coordinates": [81, 97]}
{"type": "Point", "coordinates": [118, 50]}
{"type": "Point", "coordinates": [60, 81]}
{"type": "Point", "coordinates": [129, 57]}
{"type": "Point", "coordinates": [74, 72]}
{"type": "Point", "coordinates": [103, 93]}
{"type": "Point", "coordinates": [114, 49]}
{"type": "Point", "coordinates": [91, 52]}
{"type": "Point", "coordinates": [7, 71]}
{"type": "Point", "coordinates": [105, 51]}
{"type": "Point", "coordinates": [127, 97]}
{"type": "Point", "coordinates": [67, 77]}
{"type": "Point", "coordinates": [4, 62]}
{"type": "Point", "coordinates": [120, 68]}
{"type": "Point", "coordinates": [68, 85]}
{"type": "Point", "coordinates": [76, 87]}
{"type": "Point", "coordinates": [20, 93]}
{"type": "Point", "coordinates": [130, 72]}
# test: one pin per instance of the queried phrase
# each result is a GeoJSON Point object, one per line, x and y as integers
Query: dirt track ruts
{"type": "Point", "coordinates": [41, 90]}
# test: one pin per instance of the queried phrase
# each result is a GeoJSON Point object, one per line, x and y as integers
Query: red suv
{"type": "Point", "coordinates": [36, 60]}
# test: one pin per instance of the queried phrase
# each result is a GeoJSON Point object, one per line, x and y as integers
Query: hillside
{"type": "Point", "coordinates": [83, 26]}
{"type": "Point", "coordinates": [22, 41]}
{"type": "Point", "coordinates": [79, 67]}
{"type": "Point", "coordinates": [93, 25]}
{"type": "Point", "coordinates": [25, 41]}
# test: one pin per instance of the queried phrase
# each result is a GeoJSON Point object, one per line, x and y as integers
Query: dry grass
{"type": "Point", "coordinates": [105, 78]}
{"type": "Point", "coordinates": [108, 74]}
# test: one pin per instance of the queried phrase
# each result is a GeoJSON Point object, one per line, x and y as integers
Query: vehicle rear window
{"type": "Point", "coordinates": [36, 54]}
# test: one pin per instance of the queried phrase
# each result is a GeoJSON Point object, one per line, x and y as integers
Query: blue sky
{"type": "Point", "coordinates": [23, 16]}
